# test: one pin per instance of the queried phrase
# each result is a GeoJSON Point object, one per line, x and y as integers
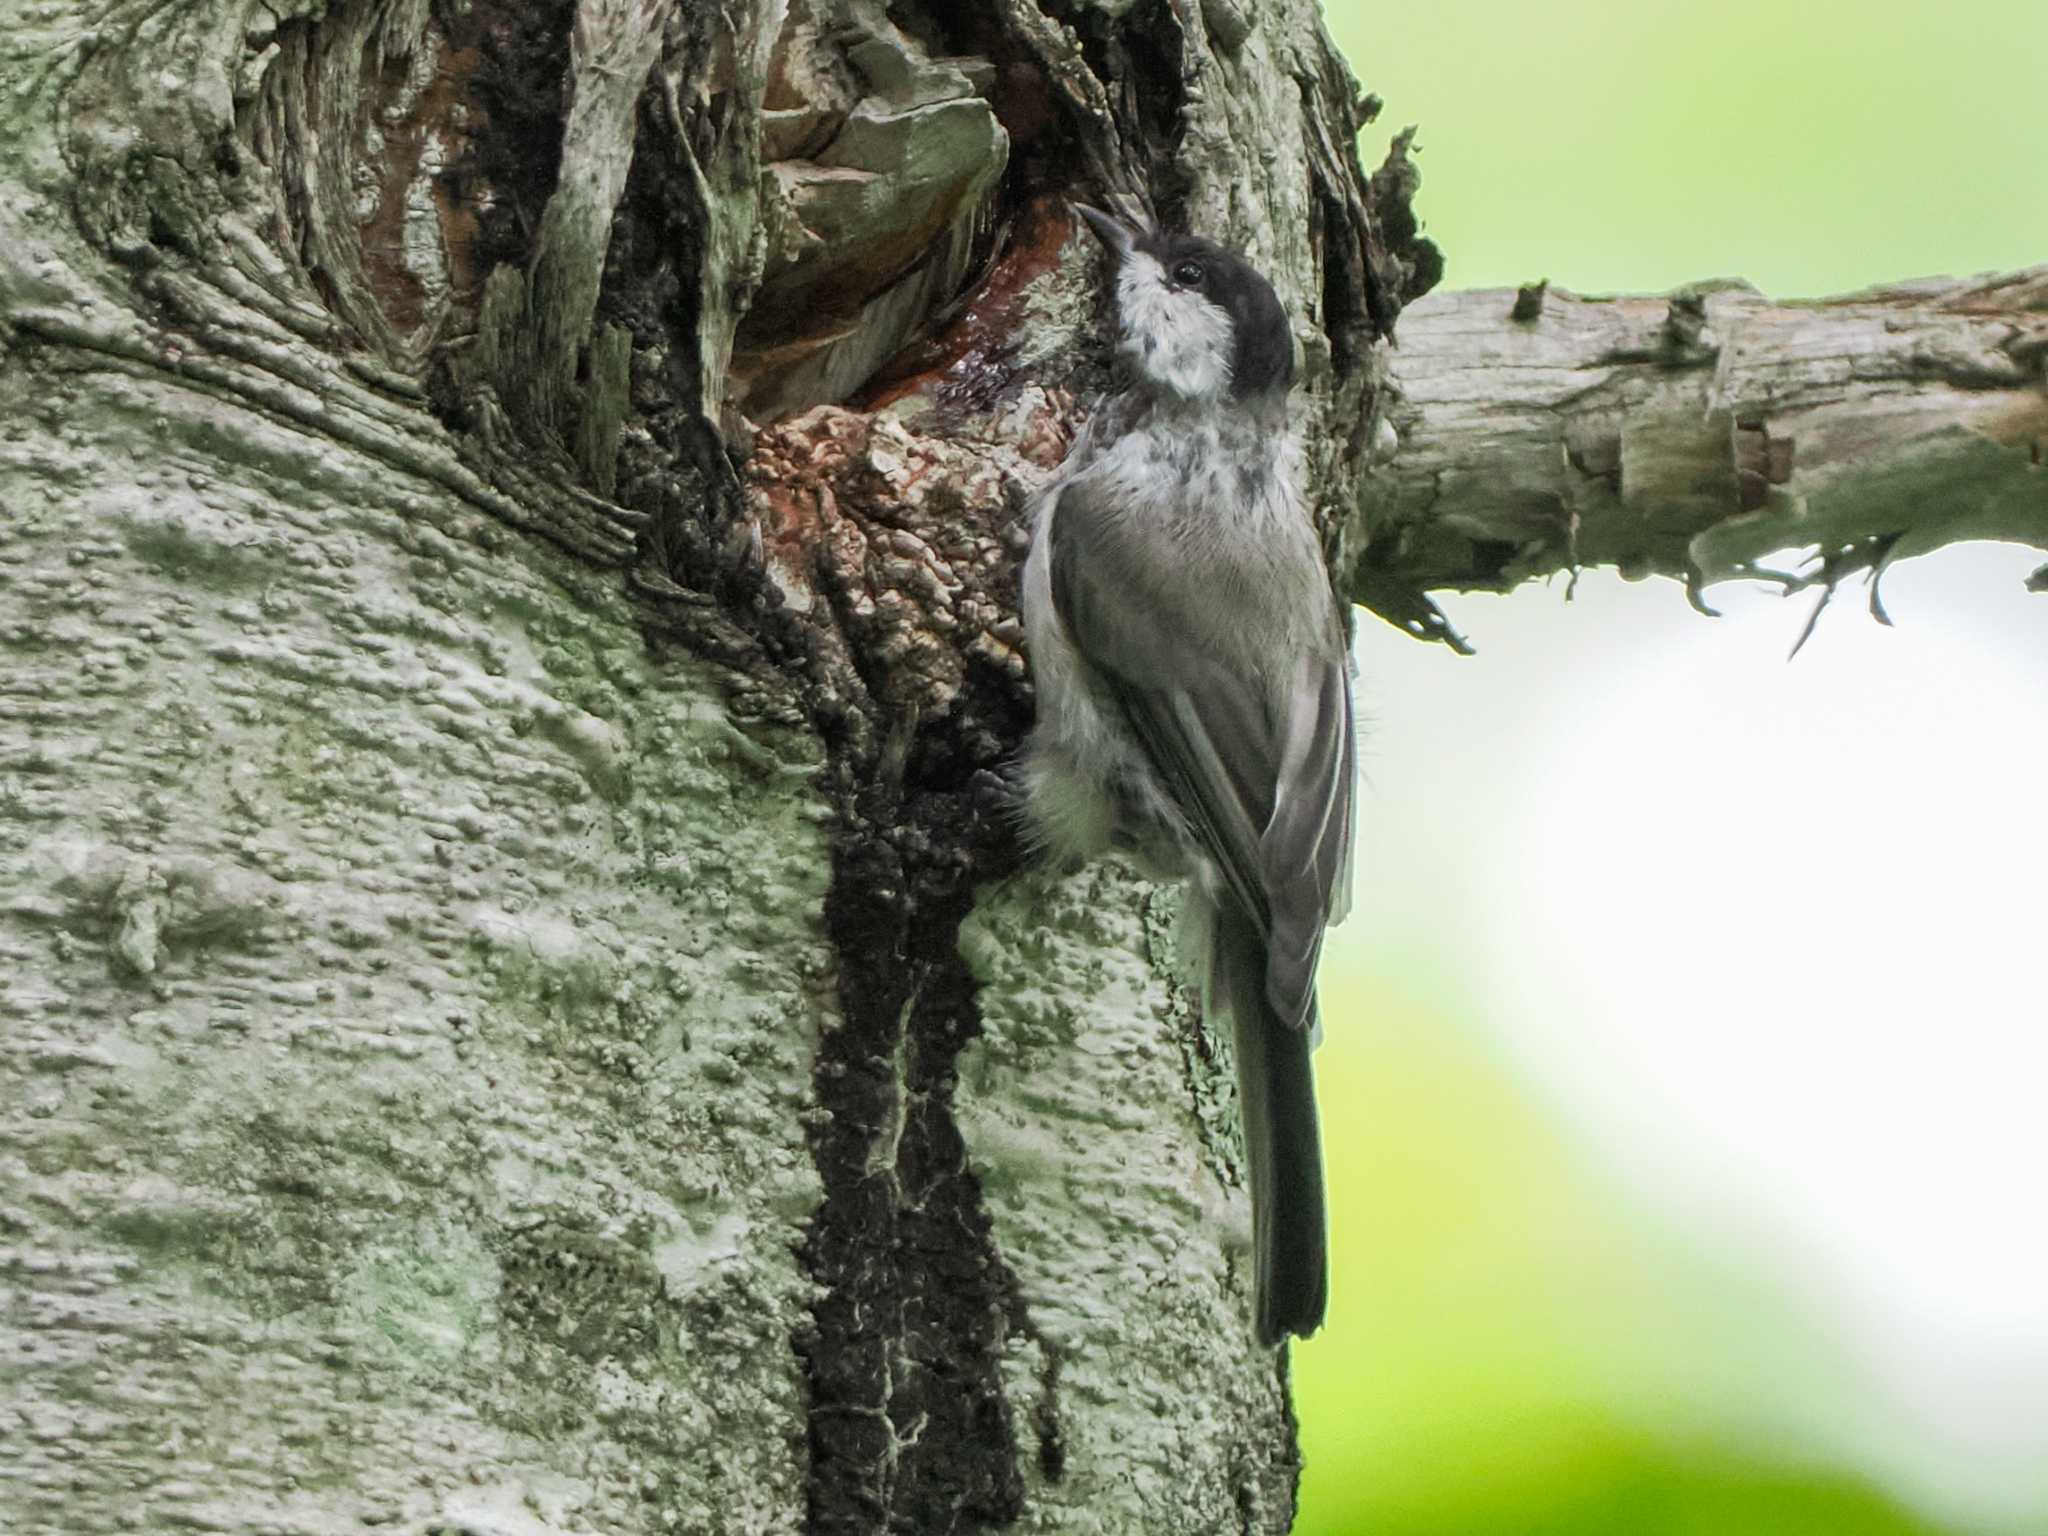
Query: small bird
{"type": "Point", "coordinates": [1194, 692]}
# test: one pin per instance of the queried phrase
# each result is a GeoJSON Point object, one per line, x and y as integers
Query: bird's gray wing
{"type": "Point", "coordinates": [1307, 844]}
{"type": "Point", "coordinates": [1262, 773]}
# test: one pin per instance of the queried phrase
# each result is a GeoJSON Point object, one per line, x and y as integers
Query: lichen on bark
{"type": "Point", "coordinates": [378, 915]}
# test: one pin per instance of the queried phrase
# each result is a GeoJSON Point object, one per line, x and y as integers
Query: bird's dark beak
{"type": "Point", "coordinates": [1116, 236]}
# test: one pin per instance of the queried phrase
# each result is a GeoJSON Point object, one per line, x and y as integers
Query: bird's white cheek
{"type": "Point", "coordinates": [1175, 337]}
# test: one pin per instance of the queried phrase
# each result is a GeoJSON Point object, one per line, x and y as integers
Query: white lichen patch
{"type": "Point", "coordinates": [1088, 1106]}
{"type": "Point", "coordinates": [407, 992]}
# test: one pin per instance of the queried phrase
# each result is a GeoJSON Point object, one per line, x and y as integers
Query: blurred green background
{"type": "Point", "coordinates": [1810, 147]}
{"type": "Point", "coordinates": [1685, 1051]}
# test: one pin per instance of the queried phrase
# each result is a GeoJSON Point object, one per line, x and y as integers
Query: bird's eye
{"type": "Point", "coordinates": [1188, 274]}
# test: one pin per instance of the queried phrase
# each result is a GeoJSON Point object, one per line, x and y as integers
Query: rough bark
{"type": "Point", "coordinates": [523, 1010]}
{"type": "Point", "coordinates": [409, 987]}
{"type": "Point", "coordinates": [1699, 435]}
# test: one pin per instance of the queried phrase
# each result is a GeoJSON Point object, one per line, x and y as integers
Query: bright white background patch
{"type": "Point", "coordinates": [1768, 937]}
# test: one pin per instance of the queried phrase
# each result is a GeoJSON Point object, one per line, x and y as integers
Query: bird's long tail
{"type": "Point", "coordinates": [1283, 1152]}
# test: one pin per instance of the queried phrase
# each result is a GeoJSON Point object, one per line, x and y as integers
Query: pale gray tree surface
{"type": "Point", "coordinates": [1700, 435]}
{"type": "Point", "coordinates": [521, 1007]}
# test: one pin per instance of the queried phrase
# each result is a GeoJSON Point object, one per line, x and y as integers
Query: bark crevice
{"type": "Point", "coordinates": [910, 1422]}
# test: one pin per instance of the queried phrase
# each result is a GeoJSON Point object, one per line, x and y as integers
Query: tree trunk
{"type": "Point", "coordinates": [523, 1010]}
